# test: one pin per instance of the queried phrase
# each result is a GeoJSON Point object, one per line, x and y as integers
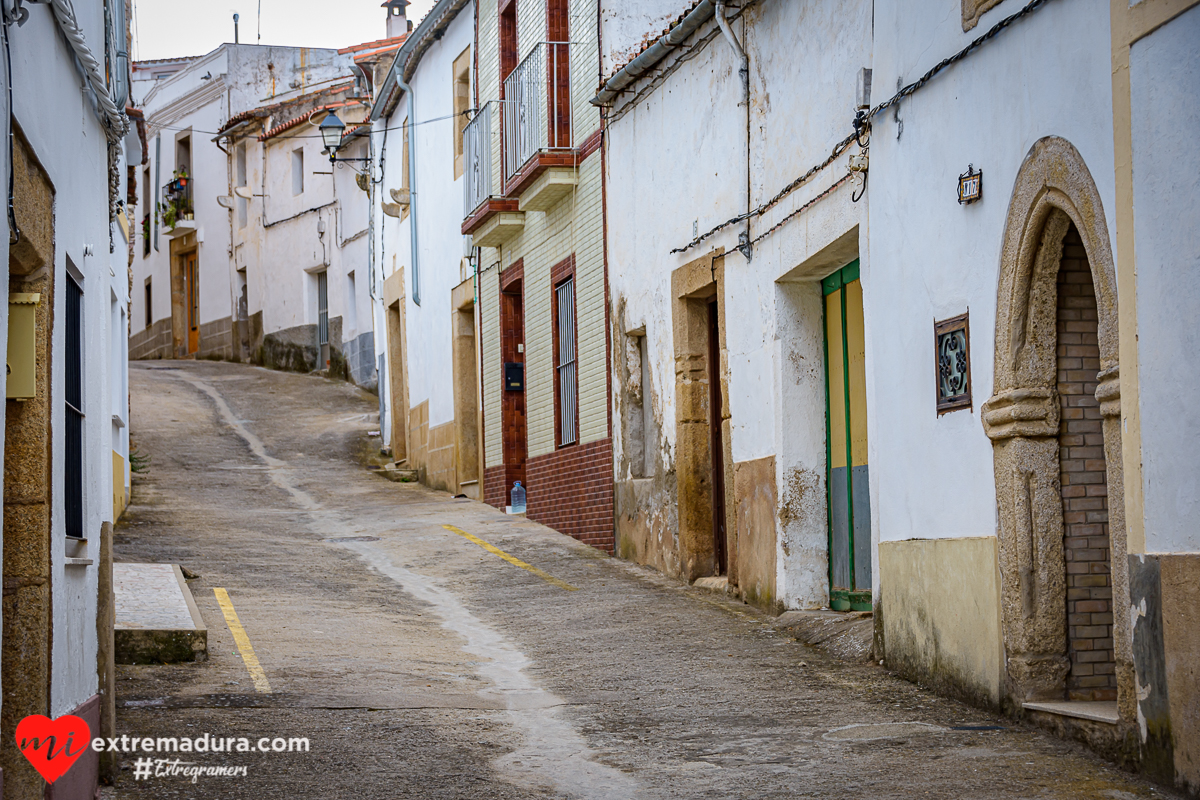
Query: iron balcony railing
{"type": "Point", "coordinates": [538, 105]}
{"type": "Point", "coordinates": [481, 144]}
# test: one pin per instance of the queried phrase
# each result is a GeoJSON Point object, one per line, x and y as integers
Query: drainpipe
{"type": "Point", "coordinates": [744, 245]}
{"type": "Point", "coordinates": [412, 186]}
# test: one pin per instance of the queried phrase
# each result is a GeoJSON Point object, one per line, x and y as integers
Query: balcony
{"type": "Point", "coordinates": [178, 213]}
{"type": "Point", "coordinates": [538, 135]}
{"type": "Point", "coordinates": [488, 216]}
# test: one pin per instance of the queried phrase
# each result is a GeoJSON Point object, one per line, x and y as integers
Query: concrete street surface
{"type": "Point", "coordinates": [420, 664]}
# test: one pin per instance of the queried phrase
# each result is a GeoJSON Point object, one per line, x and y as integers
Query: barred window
{"type": "Point", "coordinates": [565, 366]}
{"type": "Point", "coordinates": [73, 462]}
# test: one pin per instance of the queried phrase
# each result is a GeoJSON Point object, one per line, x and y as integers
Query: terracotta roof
{"type": "Point", "coordinates": [650, 38]}
{"type": "Point", "coordinates": [259, 112]}
{"type": "Point", "coordinates": [284, 127]}
{"type": "Point", "coordinates": [378, 44]}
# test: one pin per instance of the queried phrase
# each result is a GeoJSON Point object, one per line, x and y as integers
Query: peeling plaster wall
{"type": "Point", "coordinates": [679, 159]}
{"type": "Point", "coordinates": [627, 29]}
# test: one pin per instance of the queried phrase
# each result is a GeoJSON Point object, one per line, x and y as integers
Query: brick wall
{"type": "Point", "coordinates": [1084, 483]}
{"type": "Point", "coordinates": [571, 490]}
{"type": "Point", "coordinates": [497, 483]}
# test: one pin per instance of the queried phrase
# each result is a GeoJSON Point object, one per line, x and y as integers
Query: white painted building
{"type": "Point", "coordinates": [426, 295]}
{"type": "Point", "coordinates": [906, 397]}
{"type": "Point", "coordinates": [193, 296]}
{"type": "Point", "coordinates": [66, 417]}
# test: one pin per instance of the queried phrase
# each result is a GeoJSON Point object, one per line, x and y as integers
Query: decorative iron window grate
{"type": "Point", "coordinates": [322, 308]}
{"type": "Point", "coordinates": [952, 344]}
{"type": "Point", "coordinates": [73, 461]}
{"type": "Point", "coordinates": [566, 367]}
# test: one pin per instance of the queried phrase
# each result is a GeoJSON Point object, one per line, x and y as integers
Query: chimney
{"type": "Point", "coordinates": [397, 22]}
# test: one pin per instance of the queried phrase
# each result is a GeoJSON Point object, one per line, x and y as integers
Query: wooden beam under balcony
{"type": "Point", "coordinates": [488, 209]}
{"type": "Point", "coordinates": [551, 187]}
{"type": "Point", "coordinates": [525, 177]}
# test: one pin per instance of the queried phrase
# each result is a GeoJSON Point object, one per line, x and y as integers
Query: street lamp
{"type": "Point", "coordinates": [332, 129]}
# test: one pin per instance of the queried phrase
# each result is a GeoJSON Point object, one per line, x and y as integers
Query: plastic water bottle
{"type": "Point", "coordinates": [518, 498]}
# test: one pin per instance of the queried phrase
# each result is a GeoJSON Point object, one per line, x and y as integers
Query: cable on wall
{"type": "Point", "coordinates": [841, 146]}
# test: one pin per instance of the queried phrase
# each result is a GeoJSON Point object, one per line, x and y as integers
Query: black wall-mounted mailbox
{"type": "Point", "coordinates": [514, 376]}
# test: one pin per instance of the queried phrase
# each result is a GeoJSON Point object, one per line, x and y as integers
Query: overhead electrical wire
{"type": "Point", "coordinates": [152, 126]}
{"type": "Point", "coordinates": [841, 146]}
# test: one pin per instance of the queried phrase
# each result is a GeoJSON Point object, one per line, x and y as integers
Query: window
{"type": "Point", "coordinates": [351, 304]}
{"type": "Point", "coordinates": [73, 460]}
{"type": "Point", "coordinates": [298, 171]}
{"type": "Point", "coordinates": [322, 308]}
{"type": "Point", "coordinates": [148, 204]}
{"type": "Point", "coordinates": [953, 364]}
{"type": "Point", "coordinates": [149, 304]}
{"type": "Point", "coordinates": [242, 203]}
{"type": "Point", "coordinates": [508, 40]}
{"type": "Point", "coordinates": [462, 104]}
{"type": "Point", "coordinates": [566, 405]}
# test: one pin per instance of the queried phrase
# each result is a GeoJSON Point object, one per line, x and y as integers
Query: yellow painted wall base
{"type": "Point", "coordinates": [940, 607]}
{"type": "Point", "coordinates": [120, 500]}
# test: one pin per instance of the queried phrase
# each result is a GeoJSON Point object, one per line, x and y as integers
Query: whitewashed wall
{"type": "Point", "coordinates": [439, 198]}
{"type": "Point", "coordinates": [59, 122]}
{"type": "Point", "coordinates": [932, 477]}
{"type": "Point", "coordinates": [677, 163]}
{"type": "Point", "coordinates": [1164, 72]}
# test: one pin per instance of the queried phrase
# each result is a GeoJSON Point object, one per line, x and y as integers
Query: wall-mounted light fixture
{"type": "Point", "coordinates": [332, 129]}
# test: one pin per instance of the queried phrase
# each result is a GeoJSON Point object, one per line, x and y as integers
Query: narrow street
{"type": "Point", "coordinates": [420, 664]}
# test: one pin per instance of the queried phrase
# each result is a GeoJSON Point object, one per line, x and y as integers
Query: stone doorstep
{"type": "Point", "coordinates": [1094, 710]}
{"type": "Point", "coordinates": [158, 621]}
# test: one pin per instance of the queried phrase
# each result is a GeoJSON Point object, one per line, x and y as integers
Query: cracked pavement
{"type": "Point", "coordinates": [419, 664]}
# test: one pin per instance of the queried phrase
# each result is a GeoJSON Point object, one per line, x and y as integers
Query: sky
{"type": "Point", "coordinates": [170, 28]}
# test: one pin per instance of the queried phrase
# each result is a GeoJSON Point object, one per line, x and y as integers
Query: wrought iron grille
{"type": "Point", "coordinates": [537, 105]}
{"type": "Point", "coordinates": [322, 308]}
{"type": "Point", "coordinates": [478, 138]}
{"type": "Point", "coordinates": [73, 461]}
{"type": "Point", "coordinates": [567, 388]}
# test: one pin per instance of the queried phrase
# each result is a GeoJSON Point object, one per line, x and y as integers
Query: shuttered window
{"type": "Point", "coordinates": [322, 308]}
{"type": "Point", "coordinates": [73, 462]}
{"type": "Point", "coordinates": [565, 366]}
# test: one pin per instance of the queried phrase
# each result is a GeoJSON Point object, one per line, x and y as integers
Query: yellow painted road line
{"type": "Point", "coordinates": [243, 642]}
{"type": "Point", "coordinates": [546, 576]}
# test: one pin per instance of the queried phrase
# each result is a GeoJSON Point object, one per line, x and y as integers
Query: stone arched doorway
{"type": "Point", "coordinates": [1056, 224]}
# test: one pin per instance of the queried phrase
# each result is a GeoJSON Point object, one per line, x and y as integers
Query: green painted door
{"type": "Point", "coordinates": [847, 479]}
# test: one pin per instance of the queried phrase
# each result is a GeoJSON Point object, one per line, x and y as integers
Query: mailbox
{"type": "Point", "coordinates": [514, 376]}
{"type": "Point", "coordinates": [21, 380]}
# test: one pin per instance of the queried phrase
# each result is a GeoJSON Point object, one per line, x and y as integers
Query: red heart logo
{"type": "Point", "coordinates": [53, 745]}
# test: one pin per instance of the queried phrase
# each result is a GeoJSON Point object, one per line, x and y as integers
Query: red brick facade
{"type": "Point", "coordinates": [497, 481]}
{"type": "Point", "coordinates": [571, 490]}
{"type": "Point", "coordinates": [1086, 544]}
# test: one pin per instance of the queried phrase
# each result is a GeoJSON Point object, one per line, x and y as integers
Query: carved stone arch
{"type": "Point", "coordinates": [1053, 190]}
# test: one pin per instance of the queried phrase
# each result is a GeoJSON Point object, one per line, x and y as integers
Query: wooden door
{"type": "Point", "coordinates": [716, 442]}
{"type": "Point", "coordinates": [847, 476]}
{"type": "Point", "coordinates": [191, 277]}
{"type": "Point", "coordinates": [513, 424]}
